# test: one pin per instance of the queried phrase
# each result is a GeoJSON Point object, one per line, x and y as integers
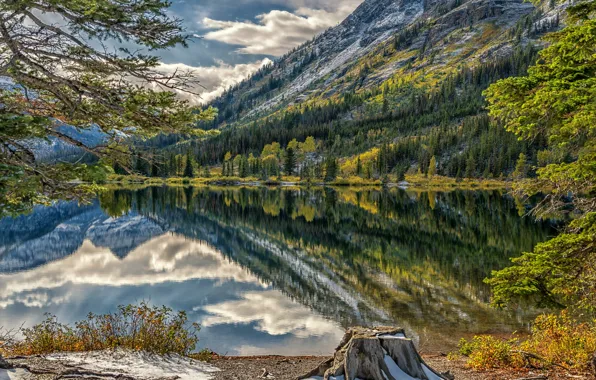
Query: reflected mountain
{"type": "Point", "coordinates": [53, 233]}
{"type": "Point", "coordinates": [413, 259]}
{"type": "Point", "coordinates": [260, 267]}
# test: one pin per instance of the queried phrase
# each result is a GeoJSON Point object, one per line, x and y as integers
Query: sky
{"type": "Point", "coordinates": [234, 38]}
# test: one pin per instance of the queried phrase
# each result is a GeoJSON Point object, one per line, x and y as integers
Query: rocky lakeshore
{"type": "Point", "coordinates": [219, 368]}
{"type": "Point", "coordinates": [363, 353]}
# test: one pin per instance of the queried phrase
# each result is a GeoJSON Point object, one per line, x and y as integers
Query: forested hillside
{"type": "Point", "coordinates": [394, 85]}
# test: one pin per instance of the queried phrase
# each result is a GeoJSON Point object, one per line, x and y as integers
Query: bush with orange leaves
{"type": "Point", "coordinates": [137, 327]}
{"type": "Point", "coordinates": [555, 340]}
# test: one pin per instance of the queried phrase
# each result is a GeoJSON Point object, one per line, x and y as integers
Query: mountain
{"type": "Point", "coordinates": [403, 76]}
{"type": "Point", "coordinates": [452, 33]}
{"type": "Point", "coordinates": [53, 149]}
{"type": "Point", "coordinates": [371, 24]}
{"type": "Point", "coordinates": [53, 233]}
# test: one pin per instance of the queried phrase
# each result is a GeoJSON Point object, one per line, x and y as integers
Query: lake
{"type": "Point", "coordinates": [272, 270]}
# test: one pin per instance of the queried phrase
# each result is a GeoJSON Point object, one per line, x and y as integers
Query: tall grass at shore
{"type": "Point", "coordinates": [141, 327]}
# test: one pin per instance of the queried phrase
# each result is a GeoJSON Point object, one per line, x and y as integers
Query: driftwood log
{"type": "Point", "coordinates": [374, 354]}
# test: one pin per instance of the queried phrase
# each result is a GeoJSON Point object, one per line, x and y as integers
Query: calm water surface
{"type": "Point", "coordinates": [275, 271]}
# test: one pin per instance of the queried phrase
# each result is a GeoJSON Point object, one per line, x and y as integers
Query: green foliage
{"type": "Point", "coordinates": [289, 162]}
{"type": "Point", "coordinates": [331, 169]}
{"type": "Point", "coordinates": [97, 173]}
{"type": "Point", "coordinates": [137, 327]}
{"type": "Point", "coordinates": [448, 121]}
{"type": "Point", "coordinates": [21, 189]}
{"type": "Point", "coordinates": [560, 272]}
{"type": "Point", "coordinates": [521, 168]}
{"type": "Point", "coordinates": [188, 169]}
{"type": "Point", "coordinates": [556, 102]}
{"type": "Point", "coordinates": [60, 77]}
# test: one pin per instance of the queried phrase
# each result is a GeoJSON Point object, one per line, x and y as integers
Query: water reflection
{"type": "Point", "coordinates": [271, 270]}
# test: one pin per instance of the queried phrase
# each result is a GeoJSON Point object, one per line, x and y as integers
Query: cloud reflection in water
{"type": "Point", "coordinates": [173, 270]}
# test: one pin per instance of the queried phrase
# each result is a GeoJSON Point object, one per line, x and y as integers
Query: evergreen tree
{"type": "Point", "coordinates": [401, 172]}
{"type": "Point", "coordinates": [330, 169]}
{"type": "Point", "coordinates": [78, 82]}
{"type": "Point", "coordinates": [290, 162]}
{"type": "Point", "coordinates": [521, 168]}
{"type": "Point", "coordinates": [188, 170]}
{"type": "Point", "coordinates": [555, 102]}
{"type": "Point", "coordinates": [172, 165]}
{"type": "Point", "coordinates": [243, 169]}
{"type": "Point", "coordinates": [470, 167]}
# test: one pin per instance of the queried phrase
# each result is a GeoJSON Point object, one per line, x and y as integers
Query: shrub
{"type": "Point", "coordinates": [562, 341]}
{"type": "Point", "coordinates": [486, 351]}
{"type": "Point", "coordinates": [137, 327]}
{"type": "Point", "coordinates": [555, 340]}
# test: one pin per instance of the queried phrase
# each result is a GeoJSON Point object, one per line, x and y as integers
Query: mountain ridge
{"type": "Point", "coordinates": [349, 42]}
{"type": "Point", "coordinates": [396, 87]}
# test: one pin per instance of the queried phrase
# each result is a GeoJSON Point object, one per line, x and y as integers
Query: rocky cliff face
{"type": "Point", "coordinates": [438, 35]}
{"type": "Point", "coordinates": [372, 23]}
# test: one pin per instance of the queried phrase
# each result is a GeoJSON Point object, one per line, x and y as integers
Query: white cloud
{"type": "Point", "coordinates": [214, 79]}
{"type": "Point", "coordinates": [273, 313]}
{"type": "Point", "coordinates": [167, 258]}
{"type": "Point", "coordinates": [279, 31]}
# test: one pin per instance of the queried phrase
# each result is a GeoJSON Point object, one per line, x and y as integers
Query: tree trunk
{"type": "Point", "coordinates": [375, 354]}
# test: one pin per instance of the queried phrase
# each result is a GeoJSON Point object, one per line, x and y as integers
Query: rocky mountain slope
{"type": "Point", "coordinates": [404, 77]}
{"type": "Point", "coordinates": [386, 38]}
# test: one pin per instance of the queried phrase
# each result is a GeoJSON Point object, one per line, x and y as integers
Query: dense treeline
{"type": "Point", "coordinates": [410, 127]}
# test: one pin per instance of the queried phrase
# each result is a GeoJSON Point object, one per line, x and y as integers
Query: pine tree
{"type": "Point", "coordinates": [290, 161]}
{"type": "Point", "coordinates": [243, 169]}
{"type": "Point", "coordinates": [555, 102]}
{"type": "Point", "coordinates": [188, 170]}
{"type": "Point", "coordinates": [358, 167]}
{"type": "Point", "coordinates": [470, 167]}
{"type": "Point", "coordinates": [521, 168]}
{"type": "Point", "coordinates": [330, 169]}
{"type": "Point", "coordinates": [74, 81]}
{"type": "Point", "coordinates": [401, 172]}
{"type": "Point", "coordinates": [171, 165]}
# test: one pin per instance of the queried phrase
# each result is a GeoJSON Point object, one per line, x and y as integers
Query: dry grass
{"type": "Point", "coordinates": [137, 327]}
{"type": "Point", "coordinates": [440, 183]}
{"type": "Point", "coordinates": [415, 182]}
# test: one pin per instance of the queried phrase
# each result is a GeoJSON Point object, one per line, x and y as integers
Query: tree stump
{"type": "Point", "coordinates": [378, 353]}
{"type": "Point", "coordinates": [4, 364]}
